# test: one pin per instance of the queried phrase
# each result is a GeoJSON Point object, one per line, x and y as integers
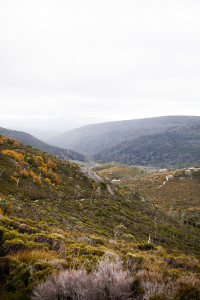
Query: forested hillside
{"type": "Point", "coordinates": [93, 139]}
{"type": "Point", "coordinates": [177, 148]}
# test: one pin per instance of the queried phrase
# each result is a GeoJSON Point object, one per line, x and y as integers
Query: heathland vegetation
{"type": "Point", "coordinates": [65, 233]}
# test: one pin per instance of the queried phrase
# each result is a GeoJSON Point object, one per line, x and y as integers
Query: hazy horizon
{"type": "Point", "coordinates": [46, 134]}
{"type": "Point", "coordinates": [65, 64]}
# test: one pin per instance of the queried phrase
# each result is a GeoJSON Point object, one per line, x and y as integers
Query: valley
{"type": "Point", "coordinates": [171, 141]}
{"type": "Point", "coordinates": [57, 217]}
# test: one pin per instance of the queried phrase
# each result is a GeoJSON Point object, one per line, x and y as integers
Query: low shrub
{"type": "Point", "coordinates": [107, 281]}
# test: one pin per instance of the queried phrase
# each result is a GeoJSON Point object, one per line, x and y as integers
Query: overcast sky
{"type": "Point", "coordinates": [67, 62]}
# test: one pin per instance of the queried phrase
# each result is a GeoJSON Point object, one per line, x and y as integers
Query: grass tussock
{"type": "Point", "coordinates": [31, 256]}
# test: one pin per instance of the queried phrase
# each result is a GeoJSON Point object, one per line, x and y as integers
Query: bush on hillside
{"type": "Point", "coordinates": [107, 281]}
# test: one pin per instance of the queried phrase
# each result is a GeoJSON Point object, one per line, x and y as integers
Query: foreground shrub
{"type": "Point", "coordinates": [107, 281]}
{"type": "Point", "coordinates": [155, 283]}
{"type": "Point", "coordinates": [110, 280]}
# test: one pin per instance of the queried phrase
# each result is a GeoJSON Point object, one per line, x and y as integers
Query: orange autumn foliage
{"type": "Point", "coordinates": [37, 180]}
{"type": "Point", "coordinates": [38, 160]}
{"type": "Point", "coordinates": [16, 144]}
{"type": "Point", "coordinates": [47, 181]}
{"type": "Point", "coordinates": [13, 154]}
{"type": "Point", "coordinates": [24, 173]}
{"type": "Point", "coordinates": [42, 169]}
{"type": "Point", "coordinates": [52, 164]}
{"type": "Point", "coordinates": [14, 179]}
{"type": "Point", "coordinates": [55, 178]}
{"type": "Point", "coordinates": [32, 174]}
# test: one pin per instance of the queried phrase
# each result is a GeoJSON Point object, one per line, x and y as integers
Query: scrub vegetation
{"type": "Point", "coordinates": [64, 235]}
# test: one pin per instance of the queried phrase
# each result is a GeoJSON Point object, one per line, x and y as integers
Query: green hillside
{"type": "Point", "coordinates": [28, 139]}
{"type": "Point", "coordinates": [67, 234]}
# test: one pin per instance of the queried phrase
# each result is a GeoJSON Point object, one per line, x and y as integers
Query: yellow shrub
{"type": "Point", "coordinates": [52, 165]}
{"type": "Point", "coordinates": [121, 192]}
{"type": "Point", "coordinates": [1, 141]}
{"type": "Point", "coordinates": [16, 144]}
{"type": "Point", "coordinates": [14, 179]}
{"type": "Point", "coordinates": [47, 181]}
{"type": "Point", "coordinates": [38, 160]}
{"type": "Point", "coordinates": [42, 169]}
{"type": "Point", "coordinates": [55, 179]}
{"type": "Point", "coordinates": [13, 154]}
{"type": "Point", "coordinates": [32, 174]}
{"type": "Point", "coordinates": [37, 180]}
{"type": "Point", "coordinates": [24, 173]}
{"type": "Point", "coordinates": [53, 176]}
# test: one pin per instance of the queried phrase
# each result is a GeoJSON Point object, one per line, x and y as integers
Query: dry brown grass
{"type": "Point", "coordinates": [31, 256]}
{"type": "Point", "coordinates": [191, 279]}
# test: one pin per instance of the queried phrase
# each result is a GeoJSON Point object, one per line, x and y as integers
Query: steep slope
{"type": "Point", "coordinates": [28, 139]}
{"type": "Point", "coordinates": [92, 139]}
{"type": "Point", "coordinates": [178, 147]}
{"type": "Point", "coordinates": [56, 216]}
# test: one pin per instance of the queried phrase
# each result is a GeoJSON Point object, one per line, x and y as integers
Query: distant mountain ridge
{"type": "Point", "coordinates": [171, 141]}
{"type": "Point", "coordinates": [28, 139]}
{"type": "Point", "coordinates": [91, 139]}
